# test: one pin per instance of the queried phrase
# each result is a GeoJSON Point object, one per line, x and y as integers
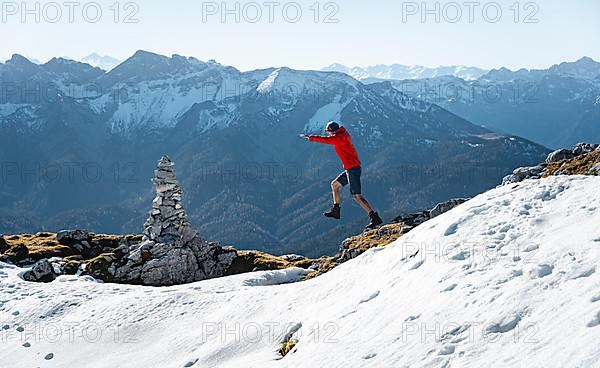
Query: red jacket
{"type": "Point", "coordinates": [342, 142]}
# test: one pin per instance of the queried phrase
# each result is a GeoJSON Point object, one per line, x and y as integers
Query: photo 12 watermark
{"type": "Point", "coordinates": [269, 12]}
{"type": "Point", "coordinates": [469, 12]}
{"type": "Point", "coordinates": [68, 12]}
{"type": "Point", "coordinates": [254, 332]}
{"type": "Point", "coordinates": [514, 92]}
{"type": "Point", "coordinates": [486, 251]}
{"type": "Point", "coordinates": [68, 172]}
{"type": "Point", "coordinates": [469, 331]}
{"type": "Point", "coordinates": [69, 332]}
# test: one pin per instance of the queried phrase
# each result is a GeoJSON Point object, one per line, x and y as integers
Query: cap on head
{"type": "Point", "coordinates": [332, 126]}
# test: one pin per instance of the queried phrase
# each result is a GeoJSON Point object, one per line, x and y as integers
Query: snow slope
{"type": "Point", "coordinates": [508, 279]}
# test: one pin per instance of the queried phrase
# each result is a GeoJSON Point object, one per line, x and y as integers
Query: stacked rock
{"type": "Point", "coordinates": [168, 222]}
{"type": "Point", "coordinates": [171, 252]}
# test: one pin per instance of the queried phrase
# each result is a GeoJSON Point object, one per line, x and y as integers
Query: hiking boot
{"type": "Point", "coordinates": [334, 212]}
{"type": "Point", "coordinates": [376, 221]}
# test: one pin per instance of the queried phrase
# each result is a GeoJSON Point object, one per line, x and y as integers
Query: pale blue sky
{"type": "Point", "coordinates": [368, 32]}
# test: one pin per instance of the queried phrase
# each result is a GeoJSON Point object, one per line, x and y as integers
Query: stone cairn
{"type": "Point", "coordinates": [171, 252]}
{"type": "Point", "coordinates": [168, 222]}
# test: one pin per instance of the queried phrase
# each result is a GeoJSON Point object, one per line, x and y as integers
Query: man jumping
{"type": "Point", "coordinates": [342, 142]}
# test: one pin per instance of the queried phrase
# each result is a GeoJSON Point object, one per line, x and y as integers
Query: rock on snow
{"type": "Point", "coordinates": [508, 279]}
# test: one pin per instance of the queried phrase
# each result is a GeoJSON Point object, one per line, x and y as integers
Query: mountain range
{"type": "Point", "coordinates": [556, 107]}
{"type": "Point", "coordinates": [400, 72]}
{"type": "Point", "coordinates": [79, 145]}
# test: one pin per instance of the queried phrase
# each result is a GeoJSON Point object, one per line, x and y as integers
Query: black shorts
{"type": "Point", "coordinates": [351, 176]}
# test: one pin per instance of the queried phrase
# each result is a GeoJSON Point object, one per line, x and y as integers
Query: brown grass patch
{"type": "Point", "coordinates": [381, 237]}
{"type": "Point", "coordinates": [40, 245]}
{"type": "Point", "coordinates": [579, 165]}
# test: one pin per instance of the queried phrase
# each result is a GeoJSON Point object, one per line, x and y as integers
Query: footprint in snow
{"type": "Point", "coordinates": [541, 271]}
{"type": "Point", "coordinates": [500, 236]}
{"type": "Point", "coordinates": [596, 321]}
{"type": "Point", "coordinates": [447, 349]}
{"type": "Point", "coordinates": [49, 356]}
{"type": "Point", "coordinates": [531, 247]}
{"type": "Point", "coordinates": [417, 264]}
{"type": "Point", "coordinates": [516, 273]}
{"type": "Point", "coordinates": [451, 230]}
{"type": "Point", "coordinates": [369, 356]}
{"type": "Point", "coordinates": [460, 256]}
{"type": "Point", "coordinates": [412, 318]}
{"type": "Point", "coordinates": [455, 333]}
{"type": "Point", "coordinates": [596, 298]}
{"type": "Point", "coordinates": [449, 288]}
{"type": "Point", "coordinates": [586, 273]}
{"type": "Point", "coordinates": [504, 326]}
{"type": "Point", "coordinates": [190, 363]}
{"type": "Point", "coordinates": [505, 227]}
{"type": "Point", "coordinates": [26, 345]}
{"type": "Point", "coordinates": [370, 297]}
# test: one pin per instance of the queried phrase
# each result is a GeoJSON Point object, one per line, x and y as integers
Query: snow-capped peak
{"type": "Point", "coordinates": [268, 84]}
{"type": "Point", "coordinates": [103, 62]}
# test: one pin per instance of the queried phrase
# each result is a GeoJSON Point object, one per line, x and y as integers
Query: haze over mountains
{"type": "Point", "coordinates": [397, 71]}
{"type": "Point", "coordinates": [556, 107]}
{"type": "Point", "coordinates": [79, 146]}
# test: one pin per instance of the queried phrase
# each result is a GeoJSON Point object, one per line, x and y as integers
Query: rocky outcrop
{"type": "Point", "coordinates": [594, 170]}
{"type": "Point", "coordinates": [559, 155]}
{"type": "Point", "coordinates": [416, 219]}
{"type": "Point", "coordinates": [15, 254]}
{"type": "Point", "coordinates": [73, 237]}
{"type": "Point", "coordinates": [3, 244]}
{"type": "Point", "coordinates": [583, 148]}
{"type": "Point", "coordinates": [171, 252]}
{"type": "Point", "coordinates": [522, 173]}
{"type": "Point", "coordinates": [42, 271]}
{"type": "Point", "coordinates": [444, 207]}
{"type": "Point", "coordinates": [566, 154]}
{"type": "Point", "coordinates": [584, 164]}
{"type": "Point", "coordinates": [81, 242]}
{"type": "Point", "coordinates": [355, 246]}
{"type": "Point", "coordinates": [560, 162]}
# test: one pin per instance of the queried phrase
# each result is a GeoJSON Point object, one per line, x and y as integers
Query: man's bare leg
{"type": "Point", "coordinates": [362, 201]}
{"type": "Point", "coordinates": [335, 211]}
{"type": "Point", "coordinates": [335, 189]}
{"type": "Point", "coordinates": [375, 219]}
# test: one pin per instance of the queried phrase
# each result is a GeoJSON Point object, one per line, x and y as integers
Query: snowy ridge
{"type": "Point", "coordinates": [268, 84]}
{"type": "Point", "coordinates": [288, 81]}
{"type": "Point", "coordinates": [399, 72]}
{"type": "Point", "coordinates": [508, 279]}
{"type": "Point", "coordinates": [160, 103]}
{"type": "Point", "coordinates": [329, 112]}
{"type": "Point", "coordinates": [103, 62]}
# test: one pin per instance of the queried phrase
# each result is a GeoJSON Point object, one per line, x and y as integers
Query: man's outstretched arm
{"type": "Point", "coordinates": [320, 139]}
